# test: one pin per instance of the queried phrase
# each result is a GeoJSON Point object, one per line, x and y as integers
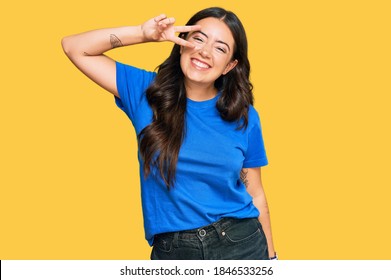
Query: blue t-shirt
{"type": "Point", "coordinates": [207, 186]}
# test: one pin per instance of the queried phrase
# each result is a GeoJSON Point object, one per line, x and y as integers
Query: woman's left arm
{"type": "Point", "coordinates": [251, 177]}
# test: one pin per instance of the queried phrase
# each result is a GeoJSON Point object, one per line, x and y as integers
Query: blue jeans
{"type": "Point", "coordinates": [226, 239]}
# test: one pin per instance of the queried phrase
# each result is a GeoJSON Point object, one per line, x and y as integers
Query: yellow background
{"type": "Point", "coordinates": [321, 70]}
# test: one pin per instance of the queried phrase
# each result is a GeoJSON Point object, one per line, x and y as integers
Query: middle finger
{"type": "Point", "coordinates": [167, 21]}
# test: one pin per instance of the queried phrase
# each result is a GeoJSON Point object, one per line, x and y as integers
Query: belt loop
{"type": "Point", "coordinates": [218, 228]}
{"type": "Point", "coordinates": [175, 240]}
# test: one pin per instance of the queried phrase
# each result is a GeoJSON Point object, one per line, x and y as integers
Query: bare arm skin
{"type": "Point", "coordinates": [86, 50]}
{"type": "Point", "coordinates": [251, 177]}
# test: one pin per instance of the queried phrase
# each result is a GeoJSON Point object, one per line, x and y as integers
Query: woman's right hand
{"type": "Point", "coordinates": [161, 28]}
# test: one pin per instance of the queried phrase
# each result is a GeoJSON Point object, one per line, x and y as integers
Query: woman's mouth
{"type": "Point", "coordinates": [199, 64]}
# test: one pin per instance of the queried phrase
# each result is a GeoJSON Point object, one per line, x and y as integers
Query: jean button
{"type": "Point", "coordinates": [202, 232]}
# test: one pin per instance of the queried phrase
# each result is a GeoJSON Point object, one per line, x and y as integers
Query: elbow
{"type": "Point", "coordinates": [65, 45]}
{"type": "Point", "coordinates": [68, 46]}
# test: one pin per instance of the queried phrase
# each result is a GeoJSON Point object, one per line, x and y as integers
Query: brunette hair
{"type": "Point", "coordinates": [160, 141]}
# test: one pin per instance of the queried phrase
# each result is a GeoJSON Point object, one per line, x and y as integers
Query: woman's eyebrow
{"type": "Point", "coordinates": [218, 41]}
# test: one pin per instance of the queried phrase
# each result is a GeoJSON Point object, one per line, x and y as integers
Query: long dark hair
{"type": "Point", "coordinates": [161, 141]}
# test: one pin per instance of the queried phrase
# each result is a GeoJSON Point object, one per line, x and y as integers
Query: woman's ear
{"type": "Point", "coordinates": [231, 65]}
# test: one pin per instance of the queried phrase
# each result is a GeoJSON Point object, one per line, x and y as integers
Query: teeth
{"type": "Point", "coordinates": [200, 64]}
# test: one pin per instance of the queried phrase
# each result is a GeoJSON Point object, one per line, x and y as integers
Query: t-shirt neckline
{"type": "Point", "coordinates": [204, 103]}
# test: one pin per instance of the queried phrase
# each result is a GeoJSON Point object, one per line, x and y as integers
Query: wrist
{"type": "Point", "coordinates": [131, 35]}
{"type": "Point", "coordinates": [139, 34]}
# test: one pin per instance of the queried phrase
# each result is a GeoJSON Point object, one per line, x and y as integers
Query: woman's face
{"type": "Point", "coordinates": [212, 56]}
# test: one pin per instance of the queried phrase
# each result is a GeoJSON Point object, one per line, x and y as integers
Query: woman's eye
{"type": "Point", "coordinates": [221, 50]}
{"type": "Point", "coordinates": [198, 39]}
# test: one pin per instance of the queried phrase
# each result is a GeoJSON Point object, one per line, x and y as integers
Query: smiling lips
{"type": "Point", "coordinates": [199, 64]}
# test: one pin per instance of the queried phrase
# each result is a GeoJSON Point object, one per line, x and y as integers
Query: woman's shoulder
{"type": "Point", "coordinates": [253, 114]}
{"type": "Point", "coordinates": [130, 69]}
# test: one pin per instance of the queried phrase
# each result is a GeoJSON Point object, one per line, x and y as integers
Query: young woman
{"type": "Point", "coordinates": [200, 138]}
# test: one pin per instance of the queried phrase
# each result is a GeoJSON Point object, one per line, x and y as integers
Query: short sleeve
{"type": "Point", "coordinates": [255, 155]}
{"type": "Point", "coordinates": [132, 83]}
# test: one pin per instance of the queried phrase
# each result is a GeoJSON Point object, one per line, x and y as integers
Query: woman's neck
{"type": "Point", "coordinates": [198, 92]}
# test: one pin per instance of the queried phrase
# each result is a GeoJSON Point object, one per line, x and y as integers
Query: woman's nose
{"type": "Point", "coordinates": [205, 51]}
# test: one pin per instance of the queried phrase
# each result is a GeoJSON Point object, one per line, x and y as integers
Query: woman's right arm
{"type": "Point", "coordinates": [86, 50]}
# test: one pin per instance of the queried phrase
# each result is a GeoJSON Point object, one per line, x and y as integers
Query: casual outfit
{"type": "Point", "coordinates": [208, 195]}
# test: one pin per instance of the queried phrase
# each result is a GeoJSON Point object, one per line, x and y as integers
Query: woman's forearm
{"type": "Point", "coordinates": [96, 42]}
{"type": "Point", "coordinates": [264, 218]}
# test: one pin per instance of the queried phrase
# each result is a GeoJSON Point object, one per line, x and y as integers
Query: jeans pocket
{"type": "Point", "coordinates": [242, 231]}
{"type": "Point", "coordinates": [163, 243]}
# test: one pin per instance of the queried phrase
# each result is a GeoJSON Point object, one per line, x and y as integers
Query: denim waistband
{"type": "Point", "coordinates": [203, 232]}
